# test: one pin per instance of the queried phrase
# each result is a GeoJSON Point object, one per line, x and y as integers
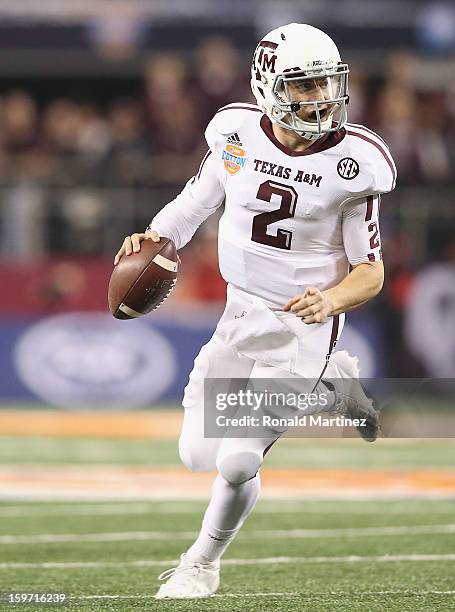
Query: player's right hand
{"type": "Point", "coordinates": [132, 244]}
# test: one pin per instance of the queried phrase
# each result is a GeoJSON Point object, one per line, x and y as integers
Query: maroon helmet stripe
{"type": "Point", "coordinates": [369, 212]}
{"type": "Point", "coordinates": [244, 107]}
{"type": "Point", "coordinates": [206, 156]}
{"type": "Point", "coordinates": [379, 148]}
{"type": "Point", "coordinates": [268, 44]}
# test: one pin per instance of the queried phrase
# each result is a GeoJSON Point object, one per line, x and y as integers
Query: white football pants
{"type": "Point", "coordinates": [236, 459]}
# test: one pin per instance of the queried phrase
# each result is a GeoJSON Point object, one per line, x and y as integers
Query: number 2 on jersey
{"type": "Point", "coordinates": [288, 195]}
{"type": "Point", "coordinates": [374, 242]}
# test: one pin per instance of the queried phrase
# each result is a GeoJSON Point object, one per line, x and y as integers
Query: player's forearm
{"type": "Point", "coordinates": [362, 284]}
{"type": "Point", "coordinates": [201, 196]}
{"type": "Point", "coordinates": [177, 222]}
{"type": "Point", "coordinates": [180, 219]}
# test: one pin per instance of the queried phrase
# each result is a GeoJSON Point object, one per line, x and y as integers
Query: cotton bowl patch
{"type": "Point", "coordinates": [234, 158]}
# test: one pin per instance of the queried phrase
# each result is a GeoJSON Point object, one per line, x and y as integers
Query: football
{"type": "Point", "coordinates": [140, 282]}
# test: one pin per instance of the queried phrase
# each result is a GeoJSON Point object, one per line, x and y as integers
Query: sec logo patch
{"type": "Point", "coordinates": [348, 168]}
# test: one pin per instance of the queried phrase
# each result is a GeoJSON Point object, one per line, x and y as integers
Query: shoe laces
{"type": "Point", "coordinates": [187, 568]}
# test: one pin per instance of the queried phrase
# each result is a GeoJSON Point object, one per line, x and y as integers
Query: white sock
{"type": "Point", "coordinates": [228, 508]}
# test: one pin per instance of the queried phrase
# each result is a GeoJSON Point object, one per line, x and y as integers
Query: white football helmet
{"type": "Point", "coordinates": [296, 67]}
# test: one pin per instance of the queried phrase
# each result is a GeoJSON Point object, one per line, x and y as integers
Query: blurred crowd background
{"type": "Point", "coordinates": [102, 110]}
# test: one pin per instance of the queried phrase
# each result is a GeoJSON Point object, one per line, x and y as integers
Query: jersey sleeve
{"type": "Point", "coordinates": [376, 168]}
{"type": "Point", "coordinates": [385, 172]}
{"type": "Point", "coordinates": [205, 192]}
{"type": "Point", "coordinates": [360, 226]}
{"type": "Point", "coordinates": [201, 196]}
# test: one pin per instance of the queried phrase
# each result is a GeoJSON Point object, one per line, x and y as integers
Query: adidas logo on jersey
{"type": "Point", "coordinates": [234, 139]}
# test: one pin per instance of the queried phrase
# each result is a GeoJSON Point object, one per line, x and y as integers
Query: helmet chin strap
{"type": "Point", "coordinates": [309, 135]}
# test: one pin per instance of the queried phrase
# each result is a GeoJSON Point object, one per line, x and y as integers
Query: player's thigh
{"type": "Point", "coordinates": [316, 343]}
{"type": "Point", "coordinates": [215, 360]}
{"type": "Point", "coordinates": [239, 459]}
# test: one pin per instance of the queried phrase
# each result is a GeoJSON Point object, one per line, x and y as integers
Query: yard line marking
{"type": "Point", "coordinates": [55, 493]}
{"type": "Point", "coordinates": [354, 531]}
{"type": "Point", "coordinates": [282, 594]}
{"type": "Point", "coordinates": [145, 596]}
{"type": "Point", "coordinates": [260, 534]}
{"type": "Point", "coordinates": [185, 508]}
{"type": "Point", "coordinates": [96, 537]}
{"type": "Point", "coordinates": [86, 510]}
{"type": "Point", "coordinates": [257, 561]}
{"type": "Point", "coordinates": [336, 593]}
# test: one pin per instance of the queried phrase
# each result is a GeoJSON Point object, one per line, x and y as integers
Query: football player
{"type": "Point", "coordinates": [299, 246]}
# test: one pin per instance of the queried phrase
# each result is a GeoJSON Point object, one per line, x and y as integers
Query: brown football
{"type": "Point", "coordinates": [140, 282]}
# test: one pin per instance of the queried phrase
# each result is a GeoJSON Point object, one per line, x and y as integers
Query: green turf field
{"type": "Point", "coordinates": [303, 453]}
{"type": "Point", "coordinates": [345, 565]}
{"type": "Point", "coordinates": [339, 555]}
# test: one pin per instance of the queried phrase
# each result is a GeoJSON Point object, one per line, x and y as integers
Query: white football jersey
{"type": "Point", "coordinates": [292, 219]}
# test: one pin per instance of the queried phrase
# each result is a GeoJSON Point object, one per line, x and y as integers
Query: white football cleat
{"type": "Point", "coordinates": [189, 580]}
{"type": "Point", "coordinates": [351, 400]}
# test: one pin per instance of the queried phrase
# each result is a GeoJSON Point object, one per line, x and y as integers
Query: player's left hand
{"type": "Point", "coordinates": [313, 306]}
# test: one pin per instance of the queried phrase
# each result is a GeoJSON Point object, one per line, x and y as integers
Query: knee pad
{"type": "Point", "coordinates": [239, 467]}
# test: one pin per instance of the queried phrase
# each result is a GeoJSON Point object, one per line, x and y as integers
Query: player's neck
{"type": "Point", "coordinates": [290, 139]}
